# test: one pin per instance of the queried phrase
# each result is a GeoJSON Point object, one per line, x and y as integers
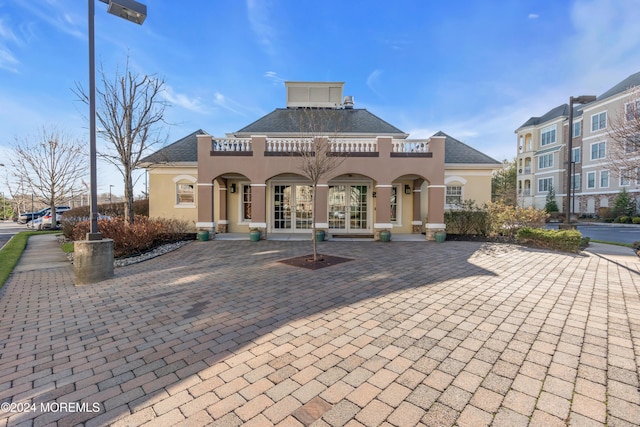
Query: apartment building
{"type": "Point", "coordinates": [596, 176]}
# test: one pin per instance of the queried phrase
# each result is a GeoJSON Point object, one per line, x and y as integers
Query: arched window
{"type": "Point", "coordinates": [185, 190]}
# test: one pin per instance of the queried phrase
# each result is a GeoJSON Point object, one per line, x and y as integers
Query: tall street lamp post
{"type": "Point", "coordinates": [132, 11]}
{"type": "Point", "coordinates": [583, 99]}
{"type": "Point", "coordinates": [93, 259]}
{"type": "Point", "coordinates": [3, 200]}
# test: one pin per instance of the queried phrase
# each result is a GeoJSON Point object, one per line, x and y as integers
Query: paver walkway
{"type": "Point", "coordinates": [221, 333]}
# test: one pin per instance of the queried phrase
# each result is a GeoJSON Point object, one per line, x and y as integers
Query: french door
{"type": "Point", "coordinates": [292, 207]}
{"type": "Point", "coordinates": [348, 208]}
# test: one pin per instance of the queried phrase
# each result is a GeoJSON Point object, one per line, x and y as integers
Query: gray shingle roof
{"type": "Point", "coordinates": [295, 121]}
{"type": "Point", "coordinates": [632, 81]}
{"type": "Point", "coordinates": [186, 150]}
{"type": "Point", "coordinates": [563, 110]}
{"type": "Point", "coordinates": [458, 152]}
{"type": "Point", "coordinates": [554, 113]}
{"type": "Point", "coordinates": [183, 150]}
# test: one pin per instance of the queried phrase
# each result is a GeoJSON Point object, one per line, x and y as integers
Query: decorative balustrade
{"type": "Point", "coordinates": [410, 146]}
{"type": "Point", "coordinates": [232, 144]}
{"type": "Point", "coordinates": [289, 145]}
{"type": "Point", "coordinates": [358, 147]}
{"type": "Point", "coordinates": [354, 146]}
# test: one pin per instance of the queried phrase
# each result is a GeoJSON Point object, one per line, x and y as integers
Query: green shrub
{"type": "Point", "coordinates": [550, 203]}
{"type": "Point", "coordinates": [623, 219]}
{"type": "Point", "coordinates": [562, 240]}
{"type": "Point", "coordinates": [623, 204]}
{"type": "Point", "coordinates": [469, 219]}
{"type": "Point", "coordinates": [635, 220]}
{"type": "Point", "coordinates": [492, 219]}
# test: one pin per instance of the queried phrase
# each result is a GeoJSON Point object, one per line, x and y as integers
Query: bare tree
{"type": "Point", "coordinates": [130, 109]}
{"type": "Point", "coordinates": [316, 157]}
{"type": "Point", "coordinates": [623, 150]}
{"type": "Point", "coordinates": [49, 165]}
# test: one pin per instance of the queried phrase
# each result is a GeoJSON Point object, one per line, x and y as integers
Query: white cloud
{"type": "Point", "coordinates": [260, 21]}
{"type": "Point", "coordinates": [181, 100]}
{"type": "Point", "coordinates": [59, 16]}
{"type": "Point", "coordinates": [226, 103]}
{"type": "Point", "coordinates": [8, 60]}
{"type": "Point", "coordinates": [372, 81]}
{"type": "Point", "coordinates": [273, 76]}
{"type": "Point", "coordinates": [533, 16]}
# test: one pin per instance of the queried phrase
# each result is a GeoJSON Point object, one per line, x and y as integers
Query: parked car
{"type": "Point", "coordinates": [36, 224]}
{"type": "Point", "coordinates": [46, 218]}
{"type": "Point", "coordinates": [25, 217]}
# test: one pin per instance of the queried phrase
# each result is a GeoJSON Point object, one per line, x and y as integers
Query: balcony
{"type": "Point", "coordinates": [339, 147]}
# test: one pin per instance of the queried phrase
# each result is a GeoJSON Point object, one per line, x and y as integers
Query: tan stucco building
{"type": "Point", "coordinates": [596, 175]}
{"type": "Point", "coordinates": [252, 178]}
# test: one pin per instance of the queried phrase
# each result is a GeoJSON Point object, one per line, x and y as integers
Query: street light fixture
{"type": "Point", "coordinates": [132, 11]}
{"type": "Point", "coordinates": [583, 99]}
{"type": "Point", "coordinates": [93, 257]}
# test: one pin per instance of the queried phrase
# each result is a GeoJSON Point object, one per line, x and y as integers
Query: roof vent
{"type": "Point", "coordinates": [348, 102]}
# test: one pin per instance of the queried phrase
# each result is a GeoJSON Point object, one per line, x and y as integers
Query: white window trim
{"type": "Point", "coordinates": [600, 179]}
{"type": "Point", "coordinates": [399, 196]}
{"type": "Point", "coordinates": [240, 192]}
{"type": "Point", "coordinates": [636, 106]}
{"type": "Point", "coordinates": [606, 119]}
{"type": "Point", "coordinates": [549, 129]}
{"type": "Point", "coordinates": [453, 183]}
{"type": "Point", "coordinates": [579, 123]}
{"type": "Point", "coordinates": [576, 150]}
{"type": "Point", "coordinates": [550, 178]}
{"type": "Point", "coordinates": [549, 155]}
{"type": "Point", "coordinates": [180, 180]}
{"type": "Point", "coordinates": [622, 176]}
{"type": "Point", "coordinates": [595, 180]}
{"type": "Point", "coordinates": [576, 177]}
{"type": "Point", "coordinates": [591, 150]}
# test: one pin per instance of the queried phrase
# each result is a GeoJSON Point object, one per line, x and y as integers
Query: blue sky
{"type": "Point", "coordinates": [474, 69]}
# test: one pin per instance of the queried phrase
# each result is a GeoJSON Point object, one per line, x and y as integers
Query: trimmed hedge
{"type": "Point", "coordinates": [561, 240]}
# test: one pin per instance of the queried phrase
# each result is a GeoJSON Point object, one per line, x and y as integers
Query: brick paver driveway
{"type": "Point", "coordinates": [405, 334]}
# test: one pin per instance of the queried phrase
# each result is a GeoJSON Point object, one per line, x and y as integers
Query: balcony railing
{"type": "Point", "coordinates": [232, 144]}
{"type": "Point", "coordinates": [353, 146]}
{"type": "Point", "coordinates": [410, 146]}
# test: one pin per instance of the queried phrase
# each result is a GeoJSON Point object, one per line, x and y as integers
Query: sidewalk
{"type": "Point", "coordinates": [42, 253]}
{"type": "Point", "coordinates": [403, 334]}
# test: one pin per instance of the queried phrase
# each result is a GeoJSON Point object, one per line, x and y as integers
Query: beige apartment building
{"type": "Point", "coordinates": [542, 153]}
{"type": "Point", "coordinates": [251, 178]}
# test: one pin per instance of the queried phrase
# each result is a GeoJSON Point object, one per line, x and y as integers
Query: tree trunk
{"type": "Point", "coordinates": [128, 196]}
{"type": "Point", "coordinates": [313, 222]}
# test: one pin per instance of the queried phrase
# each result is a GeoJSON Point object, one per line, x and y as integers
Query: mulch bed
{"type": "Point", "coordinates": [469, 238]}
{"type": "Point", "coordinates": [306, 261]}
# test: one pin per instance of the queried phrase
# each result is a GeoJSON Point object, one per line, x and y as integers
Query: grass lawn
{"type": "Point", "coordinates": [627, 245]}
{"type": "Point", "coordinates": [12, 251]}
